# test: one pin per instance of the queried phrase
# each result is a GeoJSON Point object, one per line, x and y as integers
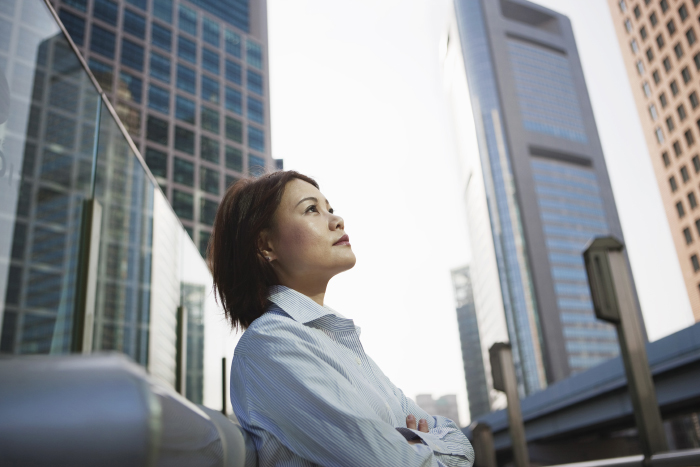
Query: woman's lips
{"type": "Point", "coordinates": [344, 240]}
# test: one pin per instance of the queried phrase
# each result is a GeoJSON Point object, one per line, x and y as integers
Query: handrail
{"type": "Point", "coordinates": [683, 458]}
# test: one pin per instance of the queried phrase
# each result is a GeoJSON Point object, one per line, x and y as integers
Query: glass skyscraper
{"type": "Point", "coordinates": [537, 189]}
{"type": "Point", "coordinates": [189, 80]}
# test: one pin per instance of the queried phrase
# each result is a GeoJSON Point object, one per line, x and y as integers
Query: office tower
{"type": "Point", "coordinates": [189, 80]}
{"type": "Point", "coordinates": [659, 43]}
{"type": "Point", "coordinates": [473, 349]}
{"type": "Point", "coordinates": [445, 406]}
{"type": "Point", "coordinates": [536, 190]}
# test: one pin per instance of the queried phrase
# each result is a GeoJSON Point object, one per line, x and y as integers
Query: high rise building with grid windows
{"type": "Point", "coordinates": [536, 190]}
{"type": "Point", "coordinates": [189, 79]}
{"type": "Point", "coordinates": [659, 43]}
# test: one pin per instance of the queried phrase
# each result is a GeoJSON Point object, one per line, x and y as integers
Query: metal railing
{"type": "Point", "coordinates": [684, 458]}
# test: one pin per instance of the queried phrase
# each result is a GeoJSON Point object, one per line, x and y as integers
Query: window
{"type": "Point", "coordinates": [208, 210]}
{"type": "Point", "coordinates": [694, 102]}
{"type": "Point", "coordinates": [647, 89]}
{"type": "Point", "coordinates": [670, 125]}
{"type": "Point", "coordinates": [102, 41]}
{"type": "Point", "coordinates": [130, 87]}
{"type": "Point", "coordinates": [106, 10]}
{"type": "Point", "coordinates": [688, 236]}
{"type": "Point", "coordinates": [234, 101]}
{"type": "Point", "coordinates": [689, 139]}
{"type": "Point", "coordinates": [681, 112]}
{"type": "Point", "coordinates": [677, 148]}
{"type": "Point", "coordinates": [103, 73]}
{"type": "Point", "coordinates": [690, 35]}
{"type": "Point", "coordinates": [671, 26]}
{"type": "Point", "coordinates": [652, 111]}
{"type": "Point", "coordinates": [163, 9]}
{"type": "Point", "coordinates": [650, 54]}
{"type": "Point", "coordinates": [673, 184]}
{"type": "Point", "coordinates": [659, 135]}
{"type": "Point", "coordinates": [695, 262]}
{"type": "Point", "coordinates": [255, 81]}
{"type": "Point", "coordinates": [685, 72]}
{"type": "Point", "coordinates": [660, 41]}
{"type": "Point", "coordinates": [210, 90]}
{"type": "Point", "coordinates": [160, 67]}
{"type": "Point", "coordinates": [656, 76]}
{"type": "Point", "coordinates": [653, 19]}
{"type": "Point", "coordinates": [662, 99]}
{"type": "Point", "coordinates": [234, 130]}
{"type": "Point", "coordinates": [643, 33]}
{"type": "Point", "coordinates": [683, 13]}
{"type": "Point", "coordinates": [132, 55]}
{"type": "Point", "coordinates": [187, 20]}
{"type": "Point", "coordinates": [667, 64]}
{"type": "Point", "coordinates": [75, 26]}
{"type": "Point", "coordinates": [209, 149]}
{"type": "Point", "coordinates": [680, 210]}
{"type": "Point", "coordinates": [692, 200]}
{"type": "Point", "coordinates": [637, 12]}
{"type": "Point", "coordinates": [183, 204]}
{"type": "Point", "coordinates": [623, 5]}
{"type": "Point", "coordinates": [203, 236]}
{"type": "Point", "coordinates": [186, 79]}
{"type": "Point", "coordinates": [233, 43]}
{"type": "Point", "coordinates": [697, 226]}
{"type": "Point", "coordinates": [161, 37]}
{"type": "Point", "coordinates": [157, 161]}
{"type": "Point", "coordinates": [157, 130]}
{"type": "Point", "coordinates": [664, 5]}
{"type": "Point", "coordinates": [210, 120]}
{"type": "Point", "coordinates": [233, 72]}
{"type": "Point", "coordinates": [230, 180]}
{"type": "Point", "coordinates": [184, 140]}
{"type": "Point", "coordinates": [255, 110]}
{"type": "Point", "coordinates": [158, 98]}
{"type": "Point", "coordinates": [628, 25]}
{"type": "Point", "coordinates": [234, 159]}
{"type": "Point", "coordinates": [684, 174]}
{"type": "Point", "coordinates": [209, 182]}
{"type": "Point", "coordinates": [678, 49]}
{"type": "Point", "coordinates": [696, 59]}
{"type": "Point", "coordinates": [138, 3]}
{"type": "Point", "coordinates": [134, 24]}
{"type": "Point", "coordinates": [186, 49]}
{"type": "Point", "coordinates": [210, 32]}
{"type": "Point", "coordinates": [256, 165]}
{"type": "Point", "coordinates": [666, 159]}
{"type": "Point", "coordinates": [256, 138]}
{"type": "Point", "coordinates": [674, 88]}
{"type": "Point", "coordinates": [696, 163]}
{"type": "Point", "coordinates": [184, 109]}
{"type": "Point", "coordinates": [634, 46]}
{"type": "Point", "coordinates": [254, 53]}
{"type": "Point", "coordinates": [210, 61]}
{"type": "Point", "coordinates": [183, 171]}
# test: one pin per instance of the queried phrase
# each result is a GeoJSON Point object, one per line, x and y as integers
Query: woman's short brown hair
{"type": "Point", "coordinates": [241, 274]}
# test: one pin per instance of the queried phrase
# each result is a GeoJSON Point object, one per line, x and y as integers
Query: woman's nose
{"type": "Point", "coordinates": [336, 222]}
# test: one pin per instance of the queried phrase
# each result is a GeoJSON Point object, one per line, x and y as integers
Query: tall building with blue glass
{"type": "Point", "coordinates": [537, 190]}
{"type": "Point", "coordinates": [189, 80]}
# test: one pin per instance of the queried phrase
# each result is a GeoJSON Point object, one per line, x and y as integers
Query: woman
{"type": "Point", "coordinates": [301, 384]}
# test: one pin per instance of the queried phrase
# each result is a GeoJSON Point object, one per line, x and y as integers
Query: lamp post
{"type": "Point", "coordinates": [613, 301]}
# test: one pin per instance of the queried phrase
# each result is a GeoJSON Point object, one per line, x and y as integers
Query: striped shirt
{"type": "Point", "coordinates": [307, 393]}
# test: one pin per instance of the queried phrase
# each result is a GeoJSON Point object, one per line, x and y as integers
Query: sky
{"type": "Point", "coordinates": [357, 102]}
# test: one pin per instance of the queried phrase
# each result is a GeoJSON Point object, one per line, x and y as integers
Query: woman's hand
{"type": "Point", "coordinates": [422, 426]}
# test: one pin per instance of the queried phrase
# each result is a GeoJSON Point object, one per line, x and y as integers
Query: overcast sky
{"type": "Point", "coordinates": [358, 103]}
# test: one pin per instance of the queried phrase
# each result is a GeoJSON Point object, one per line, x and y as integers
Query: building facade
{"type": "Point", "coordinates": [472, 356]}
{"type": "Point", "coordinates": [659, 44]}
{"type": "Point", "coordinates": [189, 80]}
{"type": "Point", "coordinates": [536, 190]}
{"type": "Point", "coordinates": [112, 280]}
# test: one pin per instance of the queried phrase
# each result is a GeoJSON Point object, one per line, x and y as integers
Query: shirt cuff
{"type": "Point", "coordinates": [432, 441]}
{"type": "Point", "coordinates": [408, 434]}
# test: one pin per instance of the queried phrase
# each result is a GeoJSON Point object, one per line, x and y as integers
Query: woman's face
{"type": "Point", "coordinates": [307, 242]}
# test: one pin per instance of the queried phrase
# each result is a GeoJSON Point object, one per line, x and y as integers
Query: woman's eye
{"type": "Point", "coordinates": [311, 208]}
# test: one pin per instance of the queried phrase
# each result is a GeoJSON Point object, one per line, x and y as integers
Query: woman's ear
{"type": "Point", "coordinates": [265, 246]}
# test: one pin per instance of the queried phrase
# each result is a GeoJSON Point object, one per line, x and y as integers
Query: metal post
{"type": "Point", "coordinates": [613, 301]}
{"type": "Point", "coordinates": [223, 385]}
{"type": "Point", "coordinates": [181, 363]}
{"type": "Point", "coordinates": [86, 283]}
{"type": "Point", "coordinates": [484, 450]}
{"type": "Point", "coordinates": [503, 372]}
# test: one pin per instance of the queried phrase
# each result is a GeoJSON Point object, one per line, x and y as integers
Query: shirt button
{"type": "Point", "coordinates": [358, 361]}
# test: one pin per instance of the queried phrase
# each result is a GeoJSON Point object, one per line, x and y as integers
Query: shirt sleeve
{"type": "Point", "coordinates": [293, 390]}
